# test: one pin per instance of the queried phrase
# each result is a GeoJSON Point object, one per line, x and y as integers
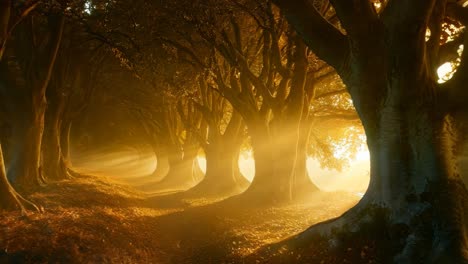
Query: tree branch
{"type": "Point", "coordinates": [327, 94]}
{"type": "Point", "coordinates": [355, 16]}
{"type": "Point", "coordinates": [320, 36]}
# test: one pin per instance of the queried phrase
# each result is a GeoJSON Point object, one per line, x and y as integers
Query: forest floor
{"type": "Point", "coordinates": [93, 219]}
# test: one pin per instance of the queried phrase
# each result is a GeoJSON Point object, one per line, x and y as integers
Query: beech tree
{"type": "Point", "coordinates": [269, 82]}
{"type": "Point", "coordinates": [37, 58]}
{"type": "Point", "coordinates": [221, 142]}
{"type": "Point", "coordinates": [10, 17]}
{"type": "Point", "coordinates": [69, 93]}
{"type": "Point", "coordinates": [389, 68]}
{"type": "Point", "coordinates": [258, 64]}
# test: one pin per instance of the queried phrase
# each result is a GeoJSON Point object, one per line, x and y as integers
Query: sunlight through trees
{"type": "Point", "coordinates": [171, 119]}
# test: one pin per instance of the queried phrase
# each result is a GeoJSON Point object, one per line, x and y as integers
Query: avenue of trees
{"type": "Point", "coordinates": [283, 78]}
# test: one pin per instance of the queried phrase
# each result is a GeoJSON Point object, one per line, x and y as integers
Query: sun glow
{"type": "Point", "coordinates": [446, 71]}
{"type": "Point", "coordinates": [353, 178]}
{"type": "Point", "coordinates": [362, 154]}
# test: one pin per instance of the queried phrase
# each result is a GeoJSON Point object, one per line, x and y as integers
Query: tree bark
{"type": "Point", "coordinates": [162, 165]}
{"type": "Point", "coordinates": [55, 165]}
{"type": "Point", "coordinates": [301, 181]}
{"type": "Point", "coordinates": [28, 169]}
{"type": "Point", "coordinates": [222, 177]}
{"type": "Point", "coordinates": [183, 174]}
{"type": "Point", "coordinates": [65, 143]}
{"type": "Point", "coordinates": [271, 183]}
{"type": "Point", "coordinates": [9, 198]}
{"type": "Point", "coordinates": [416, 200]}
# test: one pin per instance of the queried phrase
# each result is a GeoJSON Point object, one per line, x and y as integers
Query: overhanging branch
{"type": "Point", "coordinates": [320, 36]}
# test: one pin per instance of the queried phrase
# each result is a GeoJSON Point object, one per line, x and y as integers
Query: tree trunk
{"type": "Point", "coordinates": [416, 186]}
{"type": "Point", "coordinates": [162, 165]}
{"type": "Point", "coordinates": [301, 182]}
{"type": "Point", "coordinates": [271, 180]}
{"type": "Point", "coordinates": [26, 169]}
{"type": "Point", "coordinates": [415, 206]}
{"type": "Point", "coordinates": [222, 177]}
{"type": "Point", "coordinates": [183, 174]}
{"type": "Point", "coordinates": [55, 166]}
{"type": "Point", "coordinates": [276, 153]}
{"type": "Point", "coordinates": [9, 198]}
{"type": "Point", "coordinates": [65, 143]}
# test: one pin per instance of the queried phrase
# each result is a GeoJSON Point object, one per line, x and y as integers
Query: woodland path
{"type": "Point", "coordinates": [98, 218]}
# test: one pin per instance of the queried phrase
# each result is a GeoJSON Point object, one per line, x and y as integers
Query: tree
{"type": "Point", "coordinates": [221, 143]}
{"type": "Point", "coordinates": [381, 53]}
{"type": "Point", "coordinates": [26, 170]}
{"type": "Point", "coordinates": [9, 198]}
{"type": "Point", "coordinates": [68, 95]}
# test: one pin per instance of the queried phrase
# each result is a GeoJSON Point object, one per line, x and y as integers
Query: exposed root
{"type": "Point", "coordinates": [28, 205]}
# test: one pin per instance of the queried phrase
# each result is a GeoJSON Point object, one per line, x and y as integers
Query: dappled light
{"type": "Point", "coordinates": [233, 131]}
{"type": "Point", "coordinates": [446, 71]}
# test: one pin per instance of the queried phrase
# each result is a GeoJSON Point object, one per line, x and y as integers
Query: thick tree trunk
{"type": "Point", "coordinates": [9, 198]}
{"type": "Point", "coordinates": [415, 206]}
{"type": "Point", "coordinates": [222, 177]}
{"type": "Point", "coordinates": [26, 170]}
{"type": "Point", "coordinates": [415, 182]}
{"type": "Point", "coordinates": [278, 176]}
{"type": "Point", "coordinates": [65, 143]}
{"type": "Point", "coordinates": [271, 183]}
{"type": "Point", "coordinates": [184, 172]}
{"type": "Point", "coordinates": [463, 163]}
{"type": "Point", "coordinates": [55, 166]}
{"type": "Point", "coordinates": [162, 165]}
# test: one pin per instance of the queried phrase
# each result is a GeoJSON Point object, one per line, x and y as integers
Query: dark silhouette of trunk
{"type": "Point", "coordinates": [55, 165]}
{"type": "Point", "coordinates": [65, 144]}
{"type": "Point", "coordinates": [463, 163]}
{"type": "Point", "coordinates": [27, 170]}
{"type": "Point", "coordinates": [415, 206]}
{"type": "Point", "coordinates": [9, 198]}
{"type": "Point", "coordinates": [5, 13]}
